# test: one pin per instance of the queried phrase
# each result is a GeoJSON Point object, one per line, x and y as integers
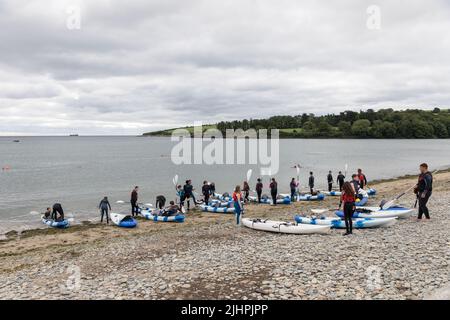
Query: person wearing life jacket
{"type": "Point", "coordinates": [237, 202]}
{"type": "Point", "coordinates": [274, 191]}
{"type": "Point", "coordinates": [293, 186]}
{"type": "Point", "coordinates": [104, 207]}
{"type": "Point", "coordinates": [423, 191]}
{"type": "Point", "coordinates": [133, 201]}
{"type": "Point", "coordinates": [171, 210]}
{"type": "Point", "coordinates": [259, 189]}
{"type": "Point", "coordinates": [362, 179]}
{"type": "Point", "coordinates": [355, 183]}
{"type": "Point", "coordinates": [330, 181]}
{"type": "Point", "coordinates": [47, 214]}
{"type": "Point", "coordinates": [180, 194]}
{"type": "Point", "coordinates": [340, 180]}
{"type": "Point", "coordinates": [311, 182]}
{"type": "Point", "coordinates": [348, 200]}
{"type": "Point", "coordinates": [206, 191]}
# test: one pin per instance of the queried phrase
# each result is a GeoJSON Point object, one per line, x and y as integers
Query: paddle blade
{"type": "Point", "coordinates": [319, 211]}
{"type": "Point", "coordinates": [388, 204]}
{"type": "Point", "coordinates": [120, 201]}
{"type": "Point", "coordinates": [249, 174]}
{"type": "Point", "coordinates": [175, 180]}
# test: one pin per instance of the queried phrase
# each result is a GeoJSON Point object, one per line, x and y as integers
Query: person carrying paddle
{"type": "Point", "coordinates": [274, 191]}
{"type": "Point", "coordinates": [259, 189]}
{"type": "Point", "coordinates": [104, 207]}
{"type": "Point", "coordinates": [340, 180]}
{"type": "Point", "coordinates": [311, 182]}
{"type": "Point", "coordinates": [238, 207]}
{"type": "Point", "coordinates": [362, 179]}
{"type": "Point", "coordinates": [330, 181]}
{"type": "Point", "coordinates": [348, 200]}
{"type": "Point", "coordinates": [133, 201]}
{"type": "Point", "coordinates": [293, 186]}
{"type": "Point", "coordinates": [423, 191]}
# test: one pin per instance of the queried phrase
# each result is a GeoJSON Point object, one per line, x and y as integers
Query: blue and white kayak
{"type": "Point", "coordinates": [338, 223]}
{"type": "Point", "coordinates": [220, 203]}
{"type": "Point", "coordinates": [285, 200]}
{"type": "Point", "coordinates": [221, 197]}
{"type": "Point", "coordinates": [56, 224]}
{"type": "Point", "coordinates": [308, 197]}
{"type": "Point", "coordinates": [377, 212]}
{"type": "Point", "coordinates": [332, 193]}
{"type": "Point", "coordinates": [123, 220]}
{"type": "Point", "coordinates": [206, 208]}
{"type": "Point", "coordinates": [154, 215]}
{"type": "Point", "coordinates": [284, 227]}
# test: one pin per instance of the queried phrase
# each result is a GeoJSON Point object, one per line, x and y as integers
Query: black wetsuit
{"type": "Point", "coordinates": [133, 201]}
{"type": "Point", "coordinates": [104, 206]}
{"type": "Point", "coordinates": [330, 182]}
{"type": "Point", "coordinates": [311, 184]}
{"type": "Point", "coordinates": [160, 202]}
{"type": "Point", "coordinates": [188, 194]}
{"type": "Point", "coordinates": [424, 190]}
{"type": "Point", "coordinates": [340, 180]}
{"type": "Point", "coordinates": [206, 190]}
{"type": "Point", "coordinates": [274, 192]}
{"type": "Point", "coordinates": [259, 188]}
{"type": "Point", "coordinates": [57, 209]}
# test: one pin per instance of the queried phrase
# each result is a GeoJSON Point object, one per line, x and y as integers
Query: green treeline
{"type": "Point", "coordinates": [384, 123]}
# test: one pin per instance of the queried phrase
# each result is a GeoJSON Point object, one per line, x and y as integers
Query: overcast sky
{"type": "Point", "coordinates": [135, 66]}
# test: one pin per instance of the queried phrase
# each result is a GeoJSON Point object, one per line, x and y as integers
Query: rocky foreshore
{"type": "Point", "coordinates": [209, 257]}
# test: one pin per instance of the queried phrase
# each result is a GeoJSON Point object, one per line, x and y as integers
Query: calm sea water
{"type": "Point", "coordinates": [79, 171]}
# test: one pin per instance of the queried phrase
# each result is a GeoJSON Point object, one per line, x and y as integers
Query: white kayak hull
{"type": "Point", "coordinates": [376, 212]}
{"type": "Point", "coordinates": [359, 223]}
{"type": "Point", "coordinates": [123, 220]}
{"type": "Point", "coordinates": [284, 227]}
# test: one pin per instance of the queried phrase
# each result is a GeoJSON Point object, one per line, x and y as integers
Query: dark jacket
{"type": "Point", "coordinates": [340, 178]}
{"type": "Point", "coordinates": [259, 187]}
{"type": "Point", "coordinates": [311, 181]}
{"type": "Point", "coordinates": [104, 204]}
{"type": "Point", "coordinates": [134, 196]}
{"type": "Point", "coordinates": [206, 190]}
{"type": "Point", "coordinates": [188, 190]}
{"type": "Point", "coordinates": [330, 178]}
{"type": "Point", "coordinates": [425, 182]}
{"type": "Point", "coordinates": [273, 187]}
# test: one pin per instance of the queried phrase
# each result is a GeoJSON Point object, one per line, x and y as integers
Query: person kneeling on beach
{"type": "Point", "coordinates": [171, 210]}
{"type": "Point", "coordinates": [238, 207]}
{"type": "Point", "coordinates": [47, 214]}
{"type": "Point", "coordinates": [348, 199]}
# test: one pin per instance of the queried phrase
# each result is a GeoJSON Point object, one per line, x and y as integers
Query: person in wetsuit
{"type": "Point", "coordinates": [160, 202]}
{"type": "Point", "coordinates": [171, 210]}
{"type": "Point", "coordinates": [423, 191]}
{"type": "Point", "coordinates": [340, 180]}
{"type": "Point", "coordinates": [47, 214]}
{"type": "Point", "coordinates": [206, 191]}
{"type": "Point", "coordinates": [133, 201]}
{"type": "Point", "coordinates": [311, 182]}
{"type": "Point", "coordinates": [57, 210]}
{"type": "Point", "coordinates": [330, 181]}
{"type": "Point", "coordinates": [246, 189]}
{"type": "Point", "coordinates": [104, 207]}
{"type": "Point", "coordinates": [293, 186]}
{"type": "Point", "coordinates": [189, 193]}
{"type": "Point", "coordinates": [355, 183]}
{"type": "Point", "coordinates": [348, 200]}
{"type": "Point", "coordinates": [274, 191]}
{"type": "Point", "coordinates": [362, 179]}
{"type": "Point", "coordinates": [259, 189]}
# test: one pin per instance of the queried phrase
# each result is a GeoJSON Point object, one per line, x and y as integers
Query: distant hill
{"type": "Point", "coordinates": [381, 124]}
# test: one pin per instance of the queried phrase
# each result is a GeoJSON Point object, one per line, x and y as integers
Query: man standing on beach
{"type": "Point", "coordinates": [423, 191]}
{"type": "Point", "coordinates": [340, 180]}
{"type": "Point", "coordinates": [133, 201]}
{"type": "Point", "coordinates": [330, 181]}
{"type": "Point", "coordinates": [362, 179]}
{"type": "Point", "coordinates": [311, 182]}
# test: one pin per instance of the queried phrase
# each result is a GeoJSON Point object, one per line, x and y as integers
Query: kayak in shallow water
{"type": "Point", "coordinates": [56, 224]}
{"type": "Point", "coordinates": [123, 220]}
{"type": "Point", "coordinates": [285, 200]}
{"type": "Point", "coordinates": [359, 223]}
{"type": "Point", "coordinates": [377, 212]}
{"type": "Point", "coordinates": [284, 227]}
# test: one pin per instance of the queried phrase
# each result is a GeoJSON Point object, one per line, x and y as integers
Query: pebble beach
{"type": "Point", "coordinates": [209, 257]}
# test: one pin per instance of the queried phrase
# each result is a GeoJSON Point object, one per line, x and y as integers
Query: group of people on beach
{"type": "Point", "coordinates": [186, 196]}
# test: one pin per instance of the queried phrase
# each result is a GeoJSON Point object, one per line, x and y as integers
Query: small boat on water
{"type": "Point", "coordinates": [73, 135]}
{"type": "Point", "coordinates": [16, 140]}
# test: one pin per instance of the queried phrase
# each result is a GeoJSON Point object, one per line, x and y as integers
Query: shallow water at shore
{"type": "Point", "coordinates": [79, 171]}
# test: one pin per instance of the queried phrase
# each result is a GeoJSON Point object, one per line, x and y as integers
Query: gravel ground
{"type": "Point", "coordinates": [215, 259]}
